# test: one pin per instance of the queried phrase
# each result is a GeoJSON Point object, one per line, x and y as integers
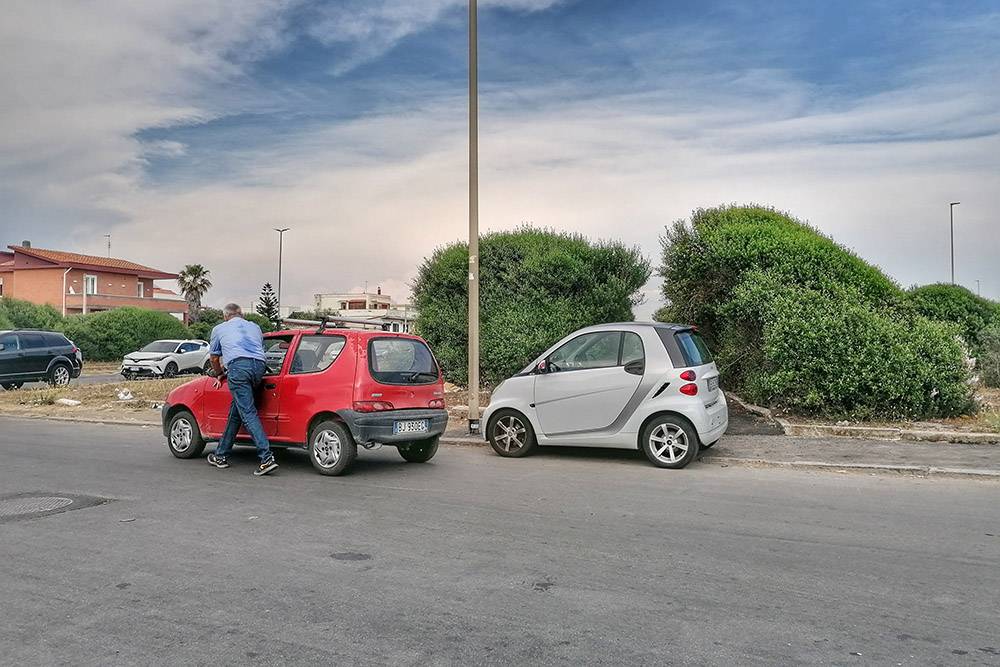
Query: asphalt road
{"type": "Point", "coordinates": [568, 557]}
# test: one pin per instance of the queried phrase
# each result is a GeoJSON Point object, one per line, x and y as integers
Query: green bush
{"type": "Point", "coordinates": [265, 324]}
{"type": "Point", "coordinates": [988, 360]}
{"type": "Point", "coordinates": [110, 335]}
{"type": "Point", "coordinates": [26, 315]}
{"type": "Point", "coordinates": [958, 305]}
{"type": "Point", "coordinates": [536, 286]}
{"type": "Point", "coordinates": [801, 323]}
{"type": "Point", "coordinates": [4, 322]}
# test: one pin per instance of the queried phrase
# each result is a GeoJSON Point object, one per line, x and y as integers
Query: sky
{"type": "Point", "coordinates": [190, 129]}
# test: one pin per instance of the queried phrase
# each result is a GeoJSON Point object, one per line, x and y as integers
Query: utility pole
{"type": "Point", "coordinates": [108, 237]}
{"type": "Point", "coordinates": [951, 211]}
{"type": "Point", "coordinates": [978, 293]}
{"type": "Point", "coordinates": [281, 238]}
{"type": "Point", "coordinates": [473, 219]}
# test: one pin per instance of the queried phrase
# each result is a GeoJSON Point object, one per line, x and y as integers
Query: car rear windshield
{"type": "Point", "coordinates": [401, 361]}
{"type": "Point", "coordinates": [693, 347]}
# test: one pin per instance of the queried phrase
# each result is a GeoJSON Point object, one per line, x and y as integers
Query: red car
{"type": "Point", "coordinates": [327, 391]}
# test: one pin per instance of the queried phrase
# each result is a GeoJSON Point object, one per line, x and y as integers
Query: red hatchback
{"type": "Point", "coordinates": [328, 391]}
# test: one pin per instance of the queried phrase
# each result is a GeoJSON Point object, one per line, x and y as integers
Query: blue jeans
{"type": "Point", "coordinates": [244, 375]}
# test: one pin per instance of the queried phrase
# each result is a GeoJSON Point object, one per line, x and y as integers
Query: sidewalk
{"type": "Point", "coordinates": [837, 454]}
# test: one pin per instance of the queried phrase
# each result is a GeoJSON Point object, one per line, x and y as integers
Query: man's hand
{"type": "Point", "coordinates": [219, 379]}
{"type": "Point", "coordinates": [217, 370]}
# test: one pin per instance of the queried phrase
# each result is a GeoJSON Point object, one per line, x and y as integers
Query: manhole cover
{"type": "Point", "coordinates": [19, 506]}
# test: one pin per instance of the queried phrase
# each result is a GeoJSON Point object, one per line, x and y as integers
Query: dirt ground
{"type": "Point", "coordinates": [124, 401]}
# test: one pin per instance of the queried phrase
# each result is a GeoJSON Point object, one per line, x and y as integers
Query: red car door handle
{"type": "Point", "coordinates": [270, 385]}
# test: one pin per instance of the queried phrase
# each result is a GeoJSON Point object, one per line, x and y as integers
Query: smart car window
{"type": "Point", "coordinates": [632, 349]}
{"type": "Point", "coordinates": [275, 350]}
{"type": "Point", "coordinates": [401, 361]}
{"type": "Point", "coordinates": [593, 350]}
{"type": "Point", "coordinates": [317, 353]}
{"type": "Point", "coordinates": [693, 347]}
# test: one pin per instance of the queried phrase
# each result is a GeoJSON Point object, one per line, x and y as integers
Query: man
{"type": "Point", "coordinates": [240, 345]}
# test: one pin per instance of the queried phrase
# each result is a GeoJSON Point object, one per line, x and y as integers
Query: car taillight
{"type": "Point", "coordinates": [372, 406]}
{"type": "Point", "coordinates": [688, 376]}
{"type": "Point", "coordinates": [689, 389]}
{"type": "Point", "coordinates": [436, 404]}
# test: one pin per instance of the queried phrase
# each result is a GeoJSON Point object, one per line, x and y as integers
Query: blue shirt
{"type": "Point", "coordinates": [235, 339]}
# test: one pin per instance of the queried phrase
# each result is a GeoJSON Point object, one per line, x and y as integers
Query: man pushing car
{"type": "Point", "coordinates": [237, 355]}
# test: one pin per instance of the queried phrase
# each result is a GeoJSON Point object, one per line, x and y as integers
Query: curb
{"type": "Point", "coordinates": [888, 433]}
{"type": "Point", "coordinates": [84, 420]}
{"type": "Point", "coordinates": [923, 471]}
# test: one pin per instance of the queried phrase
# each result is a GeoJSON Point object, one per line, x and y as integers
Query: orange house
{"type": "Point", "coordinates": [74, 283]}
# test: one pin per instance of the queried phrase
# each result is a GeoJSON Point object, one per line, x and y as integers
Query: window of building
{"type": "Point", "coordinates": [90, 284]}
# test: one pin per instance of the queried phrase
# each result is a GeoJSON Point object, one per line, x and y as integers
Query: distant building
{"type": "Point", "coordinates": [368, 305]}
{"type": "Point", "coordinates": [74, 283]}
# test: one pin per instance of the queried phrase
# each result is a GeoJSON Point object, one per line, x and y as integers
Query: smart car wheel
{"type": "Point", "coordinates": [170, 370]}
{"type": "Point", "coordinates": [670, 441]}
{"type": "Point", "coordinates": [59, 375]}
{"type": "Point", "coordinates": [419, 451]}
{"type": "Point", "coordinates": [511, 435]}
{"type": "Point", "coordinates": [11, 386]}
{"type": "Point", "coordinates": [184, 437]}
{"type": "Point", "coordinates": [331, 448]}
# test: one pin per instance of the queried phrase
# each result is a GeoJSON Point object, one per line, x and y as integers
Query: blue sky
{"type": "Point", "coordinates": [188, 129]}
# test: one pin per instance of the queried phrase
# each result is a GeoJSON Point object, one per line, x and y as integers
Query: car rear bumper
{"type": "Point", "coordinates": [378, 426]}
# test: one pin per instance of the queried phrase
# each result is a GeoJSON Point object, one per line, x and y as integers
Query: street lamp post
{"type": "Point", "coordinates": [951, 212]}
{"type": "Point", "coordinates": [473, 220]}
{"type": "Point", "coordinates": [281, 238]}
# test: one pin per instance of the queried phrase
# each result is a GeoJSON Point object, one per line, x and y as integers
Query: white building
{"type": "Point", "coordinates": [368, 305]}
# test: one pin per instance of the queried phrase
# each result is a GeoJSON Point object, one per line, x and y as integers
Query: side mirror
{"type": "Point", "coordinates": [2, 347]}
{"type": "Point", "coordinates": [542, 367]}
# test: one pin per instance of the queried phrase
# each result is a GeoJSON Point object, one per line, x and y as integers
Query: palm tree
{"type": "Point", "coordinates": [194, 282]}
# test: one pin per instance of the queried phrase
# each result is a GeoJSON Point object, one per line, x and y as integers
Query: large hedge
{"type": "Point", "coordinates": [110, 335]}
{"type": "Point", "coordinates": [801, 323]}
{"type": "Point", "coordinates": [956, 304]}
{"type": "Point", "coordinates": [17, 314]}
{"type": "Point", "coordinates": [535, 287]}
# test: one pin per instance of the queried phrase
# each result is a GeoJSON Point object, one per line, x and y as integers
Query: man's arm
{"type": "Point", "coordinates": [215, 356]}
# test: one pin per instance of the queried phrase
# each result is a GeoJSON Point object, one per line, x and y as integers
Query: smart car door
{"type": "Point", "coordinates": [586, 385]}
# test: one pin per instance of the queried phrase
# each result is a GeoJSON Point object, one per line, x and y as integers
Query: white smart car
{"type": "Point", "coordinates": [166, 358]}
{"type": "Point", "coordinates": [635, 385]}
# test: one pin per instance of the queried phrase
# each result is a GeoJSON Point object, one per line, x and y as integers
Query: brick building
{"type": "Point", "coordinates": [74, 283]}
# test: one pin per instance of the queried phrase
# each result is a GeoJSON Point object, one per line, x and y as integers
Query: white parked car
{"type": "Point", "coordinates": [635, 385]}
{"type": "Point", "coordinates": [167, 358]}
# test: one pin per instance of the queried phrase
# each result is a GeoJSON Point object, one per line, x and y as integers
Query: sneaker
{"type": "Point", "coordinates": [218, 461]}
{"type": "Point", "coordinates": [265, 467]}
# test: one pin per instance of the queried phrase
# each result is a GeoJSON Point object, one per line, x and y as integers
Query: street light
{"type": "Point", "coordinates": [281, 238]}
{"type": "Point", "coordinates": [951, 211]}
{"type": "Point", "coordinates": [473, 220]}
{"type": "Point", "coordinates": [978, 292]}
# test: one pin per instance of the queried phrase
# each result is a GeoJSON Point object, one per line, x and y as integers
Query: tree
{"type": "Point", "coordinates": [194, 283]}
{"type": "Point", "coordinates": [536, 286]}
{"type": "Point", "coordinates": [268, 305]}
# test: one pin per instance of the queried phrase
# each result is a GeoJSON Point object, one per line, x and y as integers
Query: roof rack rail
{"type": "Point", "coordinates": [336, 322]}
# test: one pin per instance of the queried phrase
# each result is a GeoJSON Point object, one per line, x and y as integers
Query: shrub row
{"type": "Point", "coordinates": [801, 323]}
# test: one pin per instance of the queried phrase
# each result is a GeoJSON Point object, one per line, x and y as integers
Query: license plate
{"type": "Point", "coordinates": [135, 368]}
{"type": "Point", "coordinates": [713, 383]}
{"type": "Point", "coordinates": [411, 426]}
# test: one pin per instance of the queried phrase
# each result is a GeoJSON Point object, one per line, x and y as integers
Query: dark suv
{"type": "Point", "coordinates": [28, 356]}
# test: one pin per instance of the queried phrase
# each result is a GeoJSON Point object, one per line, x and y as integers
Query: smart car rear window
{"type": "Point", "coordinates": [401, 361]}
{"type": "Point", "coordinates": [693, 347]}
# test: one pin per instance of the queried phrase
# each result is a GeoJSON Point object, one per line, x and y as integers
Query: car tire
{"type": "Point", "coordinates": [669, 441]}
{"type": "Point", "coordinates": [11, 386]}
{"type": "Point", "coordinates": [170, 370]}
{"type": "Point", "coordinates": [419, 451]}
{"type": "Point", "coordinates": [331, 448]}
{"type": "Point", "coordinates": [207, 368]}
{"type": "Point", "coordinates": [60, 374]}
{"type": "Point", "coordinates": [184, 437]}
{"type": "Point", "coordinates": [510, 434]}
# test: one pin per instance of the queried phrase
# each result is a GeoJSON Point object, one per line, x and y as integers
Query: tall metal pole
{"type": "Point", "coordinates": [108, 237]}
{"type": "Point", "coordinates": [473, 219]}
{"type": "Point", "coordinates": [951, 211]}
{"type": "Point", "coordinates": [281, 239]}
{"type": "Point", "coordinates": [978, 292]}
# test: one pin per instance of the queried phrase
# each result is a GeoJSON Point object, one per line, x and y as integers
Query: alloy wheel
{"type": "Point", "coordinates": [668, 443]}
{"type": "Point", "coordinates": [181, 435]}
{"type": "Point", "coordinates": [509, 433]}
{"type": "Point", "coordinates": [326, 449]}
{"type": "Point", "coordinates": [60, 376]}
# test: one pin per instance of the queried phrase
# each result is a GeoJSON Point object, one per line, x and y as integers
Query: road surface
{"type": "Point", "coordinates": [568, 557]}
